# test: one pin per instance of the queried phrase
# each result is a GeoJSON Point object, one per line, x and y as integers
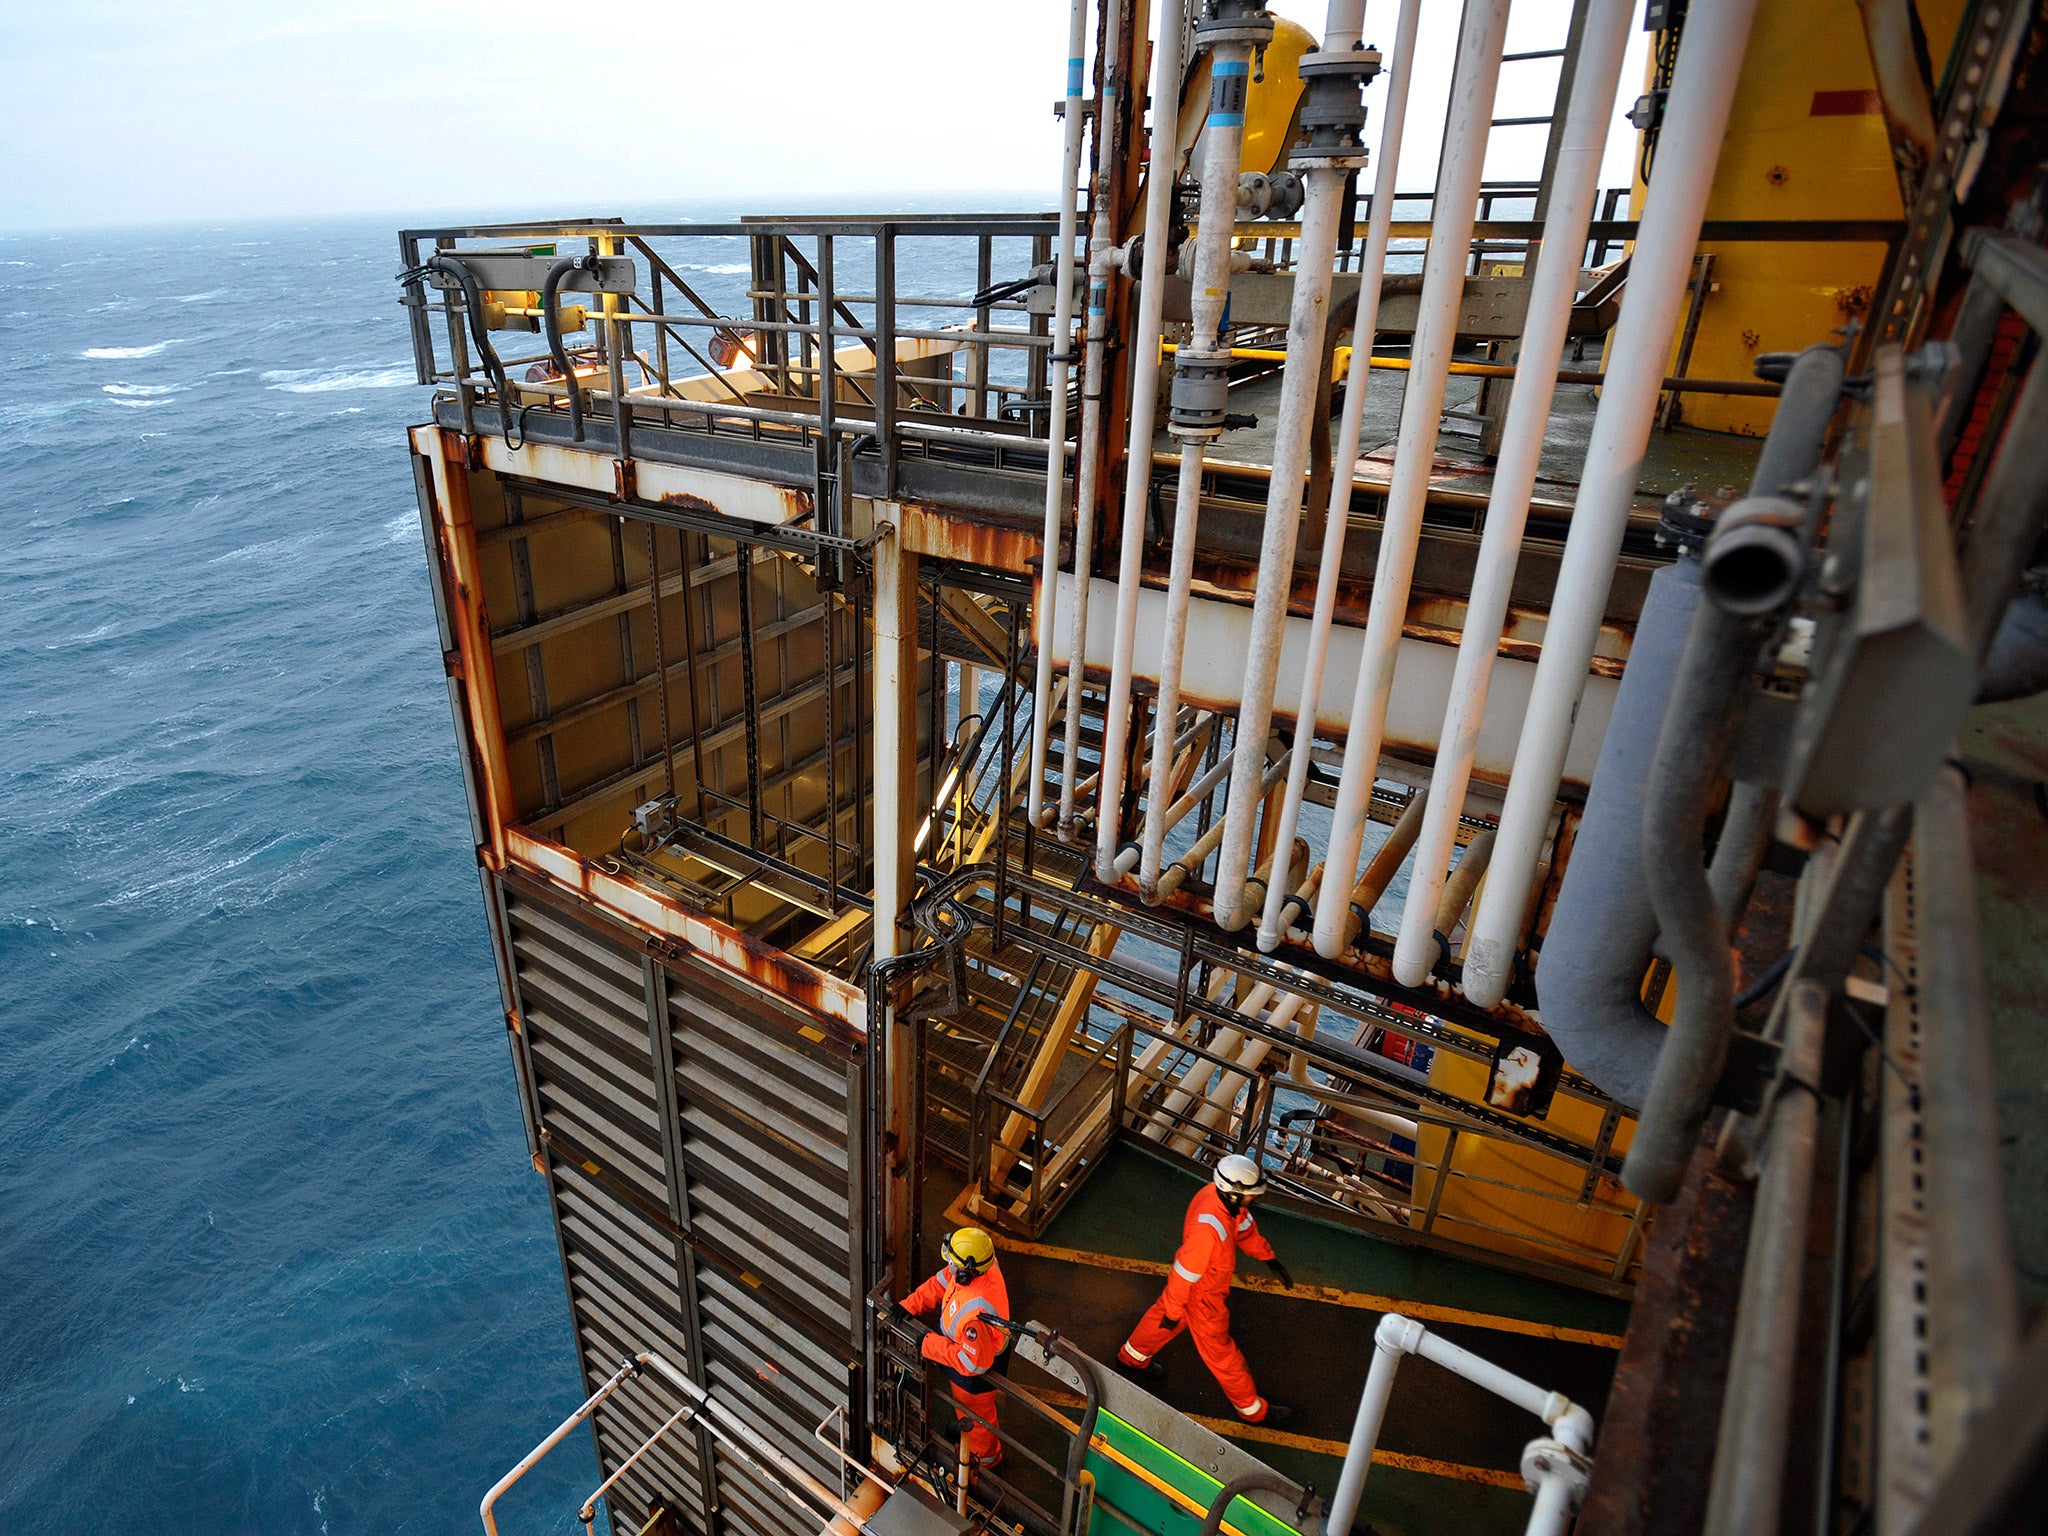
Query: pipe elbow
{"type": "Point", "coordinates": [1399, 1335]}
{"type": "Point", "coordinates": [1571, 1424]}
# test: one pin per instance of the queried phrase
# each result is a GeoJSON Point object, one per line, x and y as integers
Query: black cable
{"type": "Point", "coordinates": [551, 317]}
{"type": "Point", "coordinates": [473, 304]}
{"type": "Point", "coordinates": [1762, 987]}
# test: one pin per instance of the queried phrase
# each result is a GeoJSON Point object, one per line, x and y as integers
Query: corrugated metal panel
{"type": "Point", "coordinates": [704, 1167]}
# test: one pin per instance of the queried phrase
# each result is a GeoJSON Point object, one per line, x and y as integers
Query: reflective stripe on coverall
{"type": "Point", "coordinates": [1197, 1297]}
{"type": "Point", "coordinates": [965, 1345]}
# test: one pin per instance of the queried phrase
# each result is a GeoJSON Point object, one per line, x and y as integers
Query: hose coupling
{"type": "Point", "coordinates": [1755, 560]}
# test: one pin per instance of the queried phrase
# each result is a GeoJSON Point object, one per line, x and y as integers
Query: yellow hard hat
{"type": "Point", "coordinates": [969, 1250]}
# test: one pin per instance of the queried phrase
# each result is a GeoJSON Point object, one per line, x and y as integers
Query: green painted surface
{"type": "Point", "coordinates": [1396, 1502]}
{"type": "Point", "coordinates": [1146, 1504]}
{"type": "Point", "coordinates": [1132, 1206]}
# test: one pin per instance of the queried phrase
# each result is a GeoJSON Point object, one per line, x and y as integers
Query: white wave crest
{"type": "Point", "coordinates": [123, 352]}
{"type": "Point", "coordinates": [718, 269]}
{"type": "Point", "coordinates": [140, 390]}
{"type": "Point", "coordinates": [315, 381]}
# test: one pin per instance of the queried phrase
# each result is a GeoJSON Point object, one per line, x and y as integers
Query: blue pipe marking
{"type": "Point", "coordinates": [1073, 77]}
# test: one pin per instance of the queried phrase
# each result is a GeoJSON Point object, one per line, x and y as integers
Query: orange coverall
{"type": "Point", "coordinates": [1197, 1297]}
{"type": "Point", "coordinates": [965, 1345]}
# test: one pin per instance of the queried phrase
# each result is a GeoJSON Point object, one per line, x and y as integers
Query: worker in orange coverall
{"type": "Point", "coordinates": [972, 1302]}
{"type": "Point", "coordinates": [1197, 1296]}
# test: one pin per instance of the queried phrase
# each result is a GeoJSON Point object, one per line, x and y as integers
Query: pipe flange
{"type": "Point", "coordinates": [1552, 1461]}
{"type": "Point", "coordinates": [1360, 63]}
{"type": "Point", "coordinates": [1201, 393]}
{"type": "Point", "coordinates": [1234, 21]}
{"type": "Point", "coordinates": [1686, 522]}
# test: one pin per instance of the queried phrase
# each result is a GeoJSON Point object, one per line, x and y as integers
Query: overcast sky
{"type": "Point", "coordinates": [147, 111]}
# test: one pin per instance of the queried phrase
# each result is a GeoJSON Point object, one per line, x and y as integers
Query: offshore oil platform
{"type": "Point", "coordinates": [1474, 745]}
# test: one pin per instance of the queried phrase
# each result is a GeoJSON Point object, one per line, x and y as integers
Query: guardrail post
{"type": "Point", "coordinates": [885, 353]}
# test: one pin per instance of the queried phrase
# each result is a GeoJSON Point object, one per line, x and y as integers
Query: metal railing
{"type": "Point", "coordinates": [829, 336]}
{"type": "Point", "coordinates": [1033, 1156]}
{"type": "Point", "coordinates": [1159, 1035]}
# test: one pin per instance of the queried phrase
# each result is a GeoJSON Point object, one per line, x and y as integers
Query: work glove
{"type": "Point", "coordinates": [1280, 1273]}
{"type": "Point", "coordinates": [898, 1313]}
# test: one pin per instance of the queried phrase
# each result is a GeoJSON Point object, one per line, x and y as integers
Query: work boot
{"type": "Point", "coordinates": [1278, 1415]}
{"type": "Point", "coordinates": [1150, 1374]}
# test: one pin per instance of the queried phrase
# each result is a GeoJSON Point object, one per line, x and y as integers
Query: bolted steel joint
{"type": "Point", "coordinates": [1755, 561]}
{"type": "Point", "coordinates": [1235, 21]}
{"type": "Point", "coordinates": [1201, 393]}
{"type": "Point", "coordinates": [1545, 1460]}
{"type": "Point", "coordinates": [1332, 110]}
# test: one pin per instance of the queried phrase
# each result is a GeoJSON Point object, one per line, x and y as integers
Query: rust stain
{"type": "Point", "coordinates": [675, 932]}
{"type": "Point", "coordinates": [971, 540]}
{"type": "Point", "coordinates": [455, 523]}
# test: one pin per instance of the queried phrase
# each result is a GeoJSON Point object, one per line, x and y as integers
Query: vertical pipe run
{"type": "Point", "coordinates": [1749, 1462]}
{"type": "Point", "coordinates": [1436, 334]}
{"type": "Point", "coordinates": [1709, 64]}
{"type": "Point", "coordinates": [1327, 159]}
{"type": "Point", "coordinates": [1159, 180]}
{"type": "Point", "coordinates": [1337, 522]}
{"type": "Point", "coordinates": [1056, 409]}
{"type": "Point", "coordinates": [1087, 470]}
{"type": "Point", "coordinates": [1201, 372]}
{"type": "Point", "coordinates": [1576, 183]}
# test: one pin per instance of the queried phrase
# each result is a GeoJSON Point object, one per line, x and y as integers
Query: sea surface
{"type": "Point", "coordinates": [272, 1258]}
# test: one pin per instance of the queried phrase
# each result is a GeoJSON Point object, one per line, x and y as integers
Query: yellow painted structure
{"type": "Point", "coordinates": [1806, 140]}
{"type": "Point", "coordinates": [1269, 106]}
{"type": "Point", "coordinates": [1516, 1200]}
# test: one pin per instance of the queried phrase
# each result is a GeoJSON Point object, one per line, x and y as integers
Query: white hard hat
{"type": "Point", "coordinates": [1239, 1175]}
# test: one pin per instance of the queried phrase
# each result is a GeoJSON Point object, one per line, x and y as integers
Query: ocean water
{"type": "Point", "coordinates": [271, 1255]}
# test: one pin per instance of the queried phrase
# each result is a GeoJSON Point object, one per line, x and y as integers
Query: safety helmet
{"type": "Point", "coordinates": [1239, 1178]}
{"type": "Point", "coordinates": [969, 1250]}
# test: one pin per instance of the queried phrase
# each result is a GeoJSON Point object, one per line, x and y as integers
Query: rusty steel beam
{"type": "Point", "coordinates": [1656, 1454]}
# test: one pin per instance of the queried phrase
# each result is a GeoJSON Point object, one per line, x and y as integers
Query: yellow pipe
{"type": "Point", "coordinates": [1507, 371]}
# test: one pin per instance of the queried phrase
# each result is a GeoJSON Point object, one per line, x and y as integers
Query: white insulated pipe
{"type": "Point", "coordinates": [1101, 259]}
{"type": "Point", "coordinates": [1379, 227]}
{"type": "Point", "coordinates": [1688, 149]}
{"type": "Point", "coordinates": [1397, 1336]}
{"type": "Point", "coordinates": [1307, 319]}
{"type": "Point", "coordinates": [1222, 149]}
{"type": "Point", "coordinates": [1159, 182]}
{"type": "Point", "coordinates": [1056, 406]}
{"type": "Point", "coordinates": [1573, 190]}
{"type": "Point", "coordinates": [1473, 84]}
